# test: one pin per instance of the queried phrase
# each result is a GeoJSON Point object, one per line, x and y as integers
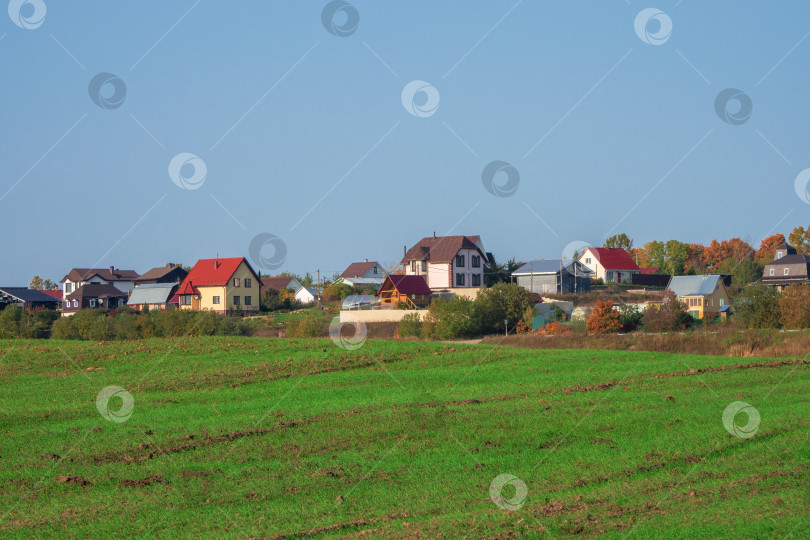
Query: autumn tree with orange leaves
{"type": "Point", "coordinates": [605, 319]}
{"type": "Point", "coordinates": [767, 248]}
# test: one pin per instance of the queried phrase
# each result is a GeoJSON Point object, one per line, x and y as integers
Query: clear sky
{"type": "Point", "coordinates": [305, 135]}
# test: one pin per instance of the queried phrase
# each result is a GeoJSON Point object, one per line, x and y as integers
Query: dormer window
{"type": "Point", "coordinates": [772, 271]}
{"type": "Point", "coordinates": [786, 271]}
{"type": "Point", "coordinates": [92, 302]}
{"type": "Point", "coordinates": [779, 254]}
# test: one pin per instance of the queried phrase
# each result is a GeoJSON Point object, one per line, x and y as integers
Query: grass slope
{"type": "Point", "coordinates": [247, 437]}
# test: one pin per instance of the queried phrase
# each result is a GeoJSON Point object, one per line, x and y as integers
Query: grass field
{"type": "Point", "coordinates": [256, 437]}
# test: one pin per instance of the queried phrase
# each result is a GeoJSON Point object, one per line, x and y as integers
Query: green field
{"type": "Point", "coordinates": [256, 437]}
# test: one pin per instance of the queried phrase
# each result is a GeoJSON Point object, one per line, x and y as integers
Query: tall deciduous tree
{"type": "Point", "coordinates": [767, 248]}
{"type": "Point", "coordinates": [619, 241]}
{"type": "Point", "coordinates": [800, 239]}
{"type": "Point", "coordinates": [794, 305]}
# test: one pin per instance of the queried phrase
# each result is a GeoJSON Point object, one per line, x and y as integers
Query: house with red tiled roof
{"type": "Point", "coordinates": [611, 265]}
{"type": "Point", "coordinates": [410, 290]}
{"type": "Point", "coordinates": [447, 261]}
{"type": "Point", "coordinates": [223, 285]}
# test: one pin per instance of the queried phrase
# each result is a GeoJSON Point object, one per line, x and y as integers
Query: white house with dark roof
{"type": "Point", "coordinates": [447, 261]}
{"type": "Point", "coordinates": [123, 280]}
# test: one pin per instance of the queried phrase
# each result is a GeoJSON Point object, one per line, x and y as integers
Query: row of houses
{"type": "Point", "coordinates": [434, 265]}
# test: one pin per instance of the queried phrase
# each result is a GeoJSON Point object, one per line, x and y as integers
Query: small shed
{"type": "Point", "coordinates": [307, 295]}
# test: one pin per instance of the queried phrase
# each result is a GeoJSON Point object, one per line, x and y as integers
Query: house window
{"type": "Point", "coordinates": [185, 300]}
{"type": "Point", "coordinates": [786, 271]}
{"type": "Point", "coordinates": [722, 302]}
{"type": "Point", "coordinates": [476, 261]}
{"type": "Point", "coordinates": [459, 280]}
{"type": "Point", "coordinates": [772, 271]}
{"type": "Point", "coordinates": [375, 269]}
{"type": "Point", "coordinates": [476, 280]}
{"type": "Point", "coordinates": [215, 300]}
{"type": "Point", "coordinates": [92, 302]}
{"type": "Point", "coordinates": [75, 303]}
{"type": "Point", "coordinates": [778, 254]}
{"type": "Point", "coordinates": [247, 282]}
{"type": "Point", "coordinates": [413, 267]}
{"type": "Point", "coordinates": [68, 287]}
{"type": "Point", "coordinates": [588, 260]}
{"type": "Point", "coordinates": [247, 300]}
{"type": "Point", "coordinates": [120, 302]}
{"type": "Point", "coordinates": [460, 261]}
{"type": "Point", "coordinates": [424, 266]}
{"type": "Point", "coordinates": [236, 282]}
{"type": "Point", "coordinates": [236, 300]}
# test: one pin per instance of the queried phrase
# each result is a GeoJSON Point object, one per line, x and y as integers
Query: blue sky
{"type": "Point", "coordinates": [304, 134]}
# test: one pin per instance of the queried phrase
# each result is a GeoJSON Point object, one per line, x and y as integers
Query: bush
{"type": "Point", "coordinates": [758, 307]}
{"type": "Point", "coordinates": [10, 319]}
{"type": "Point", "coordinates": [604, 319]}
{"type": "Point", "coordinates": [454, 318]}
{"type": "Point", "coordinates": [794, 305]}
{"type": "Point", "coordinates": [309, 326]}
{"type": "Point", "coordinates": [64, 328]}
{"type": "Point", "coordinates": [336, 291]}
{"type": "Point", "coordinates": [669, 316]}
{"type": "Point", "coordinates": [502, 301]}
{"type": "Point", "coordinates": [630, 317]}
{"type": "Point", "coordinates": [410, 325]}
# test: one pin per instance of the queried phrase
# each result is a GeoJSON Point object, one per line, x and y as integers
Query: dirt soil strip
{"type": "Point", "coordinates": [227, 437]}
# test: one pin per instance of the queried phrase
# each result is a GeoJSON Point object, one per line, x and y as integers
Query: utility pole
{"type": "Point", "coordinates": [318, 287]}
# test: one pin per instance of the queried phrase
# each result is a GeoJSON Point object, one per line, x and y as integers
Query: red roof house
{"type": "Point", "coordinates": [223, 285]}
{"type": "Point", "coordinates": [610, 264]}
{"type": "Point", "coordinates": [410, 290]}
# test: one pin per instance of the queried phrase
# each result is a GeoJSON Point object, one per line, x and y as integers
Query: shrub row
{"type": "Point", "coordinates": [98, 325]}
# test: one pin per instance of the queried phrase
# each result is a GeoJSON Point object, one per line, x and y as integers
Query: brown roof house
{"type": "Point", "coordinates": [94, 296]}
{"type": "Point", "coordinates": [171, 273]}
{"type": "Point", "coordinates": [279, 283]}
{"type": "Point", "coordinates": [363, 273]}
{"type": "Point", "coordinates": [123, 280]}
{"type": "Point", "coordinates": [787, 270]}
{"type": "Point", "coordinates": [447, 262]}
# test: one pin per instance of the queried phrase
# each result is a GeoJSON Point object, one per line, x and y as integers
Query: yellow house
{"type": "Point", "coordinates": [702, 295]}
{"type": "Point", "coordinates": [222, 285]}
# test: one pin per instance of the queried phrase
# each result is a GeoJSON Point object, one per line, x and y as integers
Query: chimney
{"type": "Point", "coordinates": [434, 234]}
{"type": "Point", "coordinates": [170, 265]}
{"type": "Point", "coordinates": [112, 269]}
{"type": "Point", "coordinates": [366, 260]}
{"type": "Point", "coordinates": [404, 250]}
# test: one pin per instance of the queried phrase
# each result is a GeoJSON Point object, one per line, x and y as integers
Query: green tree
{"type": "Point", "coordinates": [653, 254]}
{"type": "Point", "coordinates": [676, 254]}
{"type": "Point", "coordinates": [502, 301]}
{"type": "Point", "coordinates": [619, 241]}
{"type": "Point", "coordinates": [800, 239]}
{"type": "Point", "coordinates": [757, 306]}
{"type": "Point", "coordinates": [37, 283]}
{"type": "Point", "coordinates": [499, 273]}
